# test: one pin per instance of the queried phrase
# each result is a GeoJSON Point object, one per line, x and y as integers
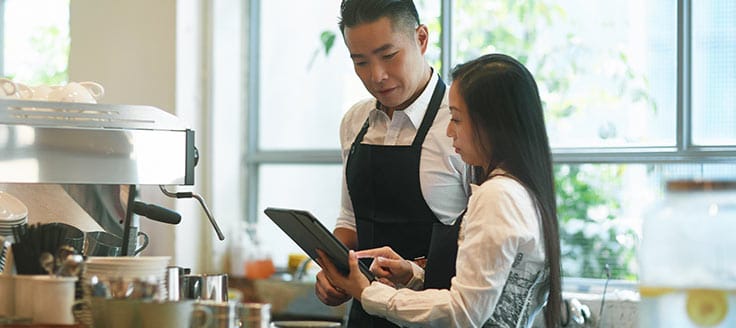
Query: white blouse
{"type": "Point", "coordinates": [442, 171]}
{"type": "Point", "coordinates": [501, 228]}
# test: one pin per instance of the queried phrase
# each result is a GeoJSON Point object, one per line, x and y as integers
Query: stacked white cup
{"type": "Point", "coordinates": [82, 92]}
{"type": "Point", "coordinates": [44, 299]}
{"type": "Point", "coordinates": [53, 300]}
{"type": "Point", "coordinates": [7, 301]}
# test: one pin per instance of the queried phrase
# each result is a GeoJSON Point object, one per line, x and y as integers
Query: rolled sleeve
{"type": "Point", "coordinates": [417, 278]}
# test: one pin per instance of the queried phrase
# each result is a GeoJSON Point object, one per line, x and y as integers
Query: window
{"type": "Point", "coordinates": [305, 74]}
{"type": "Point", "coordinates": [606, 80]}
{"type": "Point", "coordinates": [714, 73]}
{"type": "Point", "coordinates": [635, 94]}
{"type": "Point", "coordinates": [35, 42]}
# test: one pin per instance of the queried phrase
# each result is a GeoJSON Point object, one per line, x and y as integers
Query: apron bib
{"type": "Point", "coordinates": [384, 186]}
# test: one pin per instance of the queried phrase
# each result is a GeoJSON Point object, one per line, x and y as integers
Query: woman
{"type": "Point", "coordinates": [508, 256]}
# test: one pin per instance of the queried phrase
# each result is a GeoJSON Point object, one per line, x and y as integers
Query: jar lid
{"type": "Point", "coordinates": [700, 185]}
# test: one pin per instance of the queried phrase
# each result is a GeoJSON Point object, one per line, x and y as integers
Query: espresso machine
{"type": "Point", "coordinates": [101, 144]}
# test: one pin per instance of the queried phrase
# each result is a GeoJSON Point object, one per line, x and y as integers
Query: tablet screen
{"type": "Point", "coordinates": [310, 234]}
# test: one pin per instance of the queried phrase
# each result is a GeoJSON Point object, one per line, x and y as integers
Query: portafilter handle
{"type": "Point", "coordinates": [199, 198]}
{"type": "Point", "coordinates": [156, 213]}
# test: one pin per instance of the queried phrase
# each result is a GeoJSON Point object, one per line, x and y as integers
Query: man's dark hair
{"type": "Point", "coordinates": [402, 13]}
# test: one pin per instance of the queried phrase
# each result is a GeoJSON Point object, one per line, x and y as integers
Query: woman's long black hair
{"type": "Point", "coordinates": [506, 112]}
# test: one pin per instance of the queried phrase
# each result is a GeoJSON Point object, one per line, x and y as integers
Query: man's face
{"type": "Point", "coordinates": [389, 62]}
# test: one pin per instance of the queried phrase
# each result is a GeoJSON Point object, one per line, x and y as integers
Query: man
{"type": "Point", "coordinates": [403, 185]}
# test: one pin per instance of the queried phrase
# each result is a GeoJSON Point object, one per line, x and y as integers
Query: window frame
{"type": "Point", "coordinates": [683, 152]}
{"type": "Point", "coordinates": [2, 37]}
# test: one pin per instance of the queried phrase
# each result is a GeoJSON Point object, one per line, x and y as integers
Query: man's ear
{"type": "Point", "coordinates": [422, 37]}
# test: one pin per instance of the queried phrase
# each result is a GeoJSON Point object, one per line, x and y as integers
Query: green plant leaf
{"type": "Point", "coordinates": [328, 40]}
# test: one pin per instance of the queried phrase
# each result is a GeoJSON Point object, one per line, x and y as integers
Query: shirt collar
{"type": "Point", "coordinates": [496, 171]}
{"type": "Point", "coordinates": [415, 111]}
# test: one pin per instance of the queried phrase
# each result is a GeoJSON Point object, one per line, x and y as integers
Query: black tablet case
{"type": "Point", "coordinates": [304, 229]}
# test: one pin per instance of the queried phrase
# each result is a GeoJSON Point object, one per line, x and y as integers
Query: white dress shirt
{"type": "Point", "coordinates": [502, 222]}
{"type": "Point", "coordinates": [442, 172]}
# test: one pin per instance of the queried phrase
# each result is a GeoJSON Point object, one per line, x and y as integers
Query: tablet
{"type": "Point", "coordinates": [304, 229]}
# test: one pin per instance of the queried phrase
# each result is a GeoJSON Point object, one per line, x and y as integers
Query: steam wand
{"type": "Point", "coordinates": [199, 198]}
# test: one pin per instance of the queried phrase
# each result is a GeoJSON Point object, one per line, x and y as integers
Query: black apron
{"type": "Point", "coordinates": [390, 210]}
{"type": "Point", "coordinates": [442, 255]}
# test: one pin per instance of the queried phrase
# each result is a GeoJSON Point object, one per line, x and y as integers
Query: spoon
{"type": "Point", "coordinates": [47, 262]}
{"type": "Point", "coordinates": [71, 266]}
{"type": "Point", "coordinates": [144, 288]}
{"type": "Point", "coordinates": [120, 288]}
{"type": "Point", "coordinates": [100, 288]}
{"type": "Point", "coordinates": [62, 253]}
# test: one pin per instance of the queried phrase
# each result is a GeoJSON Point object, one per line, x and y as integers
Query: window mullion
{"type": "Point", "coordinates": [663, 155]}
{"type": "Point", "coordinates": [684, 69]}
{"type": "Point", "coordinates": [446, 38]}
{"type": "Point", "coordinates": [253, 110]}
{"type": "Point", "coordinates": [315, 156]}
{"type": "Point", "coordinates": [2, 38]}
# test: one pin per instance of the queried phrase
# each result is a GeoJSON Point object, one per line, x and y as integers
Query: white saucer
{"type": "Point", "coordinates": [11, 208]}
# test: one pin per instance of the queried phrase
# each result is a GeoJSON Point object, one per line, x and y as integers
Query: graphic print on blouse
{"type": "Point", "coordinates": [523, 295]}
{"type": "Point", "coordinates": [525, 291]}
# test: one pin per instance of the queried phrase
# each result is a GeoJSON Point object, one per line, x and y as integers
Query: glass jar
{"type": "Point", "coordinates": [687, 257]}
{"type": "Point", "coordinates": [257, 260]}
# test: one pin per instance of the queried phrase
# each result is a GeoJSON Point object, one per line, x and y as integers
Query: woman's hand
{"type": "Point", "coordinates": [388, 266]}
{"type": "Point", "coordinates": [352, 284]}
{"type": "Point", "coordinates": [327, 293]}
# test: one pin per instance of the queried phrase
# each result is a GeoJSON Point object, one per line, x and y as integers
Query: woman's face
{"type": "Point", "coordinates": [460, 129]}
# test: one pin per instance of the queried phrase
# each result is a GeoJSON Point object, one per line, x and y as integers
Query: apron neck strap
{"type": "Point", "coordinates": [427, 120]}
{"type": "Point", "coordinates": [432, 109]}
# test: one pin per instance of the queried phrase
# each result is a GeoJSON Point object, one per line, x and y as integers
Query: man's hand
{"type": "Point", "coordinates": [352, 284]}
{"type": "Point", "coordinates": [327, 293]}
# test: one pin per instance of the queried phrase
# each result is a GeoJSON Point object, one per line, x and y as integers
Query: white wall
{"type": "Point", "coordinates": [227, 71]}
{"type": "Point", "coordinates": [128, 46]}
